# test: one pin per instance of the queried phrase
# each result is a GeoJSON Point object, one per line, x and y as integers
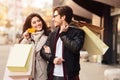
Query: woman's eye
{"type": "Point", "coordinates": [34, 22]}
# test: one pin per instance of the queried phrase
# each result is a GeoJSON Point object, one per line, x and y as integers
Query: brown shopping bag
{"type": "Point", "coordinates": [19, 58]}
{"type": "Point", "coordinates": [93, 44]}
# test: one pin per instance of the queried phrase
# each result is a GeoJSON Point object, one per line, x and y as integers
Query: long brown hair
{"type": "Point", "coordinates": [27, 23]}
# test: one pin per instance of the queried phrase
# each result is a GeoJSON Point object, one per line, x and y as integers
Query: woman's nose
{"type": "Point", "coordinates": [53, 19]}
{"type": "Point", "coordinates": [37, 23]}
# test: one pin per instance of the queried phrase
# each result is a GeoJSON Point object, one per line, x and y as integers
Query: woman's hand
{"type": "Point", "coordinates": [57, 60]}
{"type": "Point", "coordinates": [47, 49]}
{"type": "Point", "coordinates": [26, 35]}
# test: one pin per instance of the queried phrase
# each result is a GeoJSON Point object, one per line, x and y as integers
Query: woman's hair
{"type": "Point", "coordinates": [27, 23]}
{"type": "Point", "coordinates": [65, 11]}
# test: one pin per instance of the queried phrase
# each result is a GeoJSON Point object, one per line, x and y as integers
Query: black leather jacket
{"type": "Point", "coordinates": [73, 41]}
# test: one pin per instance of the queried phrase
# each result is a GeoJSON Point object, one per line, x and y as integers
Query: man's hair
{"type": "Point", "coordinates": [65, 11]}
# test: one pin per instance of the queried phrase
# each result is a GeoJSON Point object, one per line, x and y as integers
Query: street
{"type": "Point", "coordinates": [4, 52]}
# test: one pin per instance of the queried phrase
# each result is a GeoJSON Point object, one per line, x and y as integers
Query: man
{"type": "Point", "coordinates": [63, 46]}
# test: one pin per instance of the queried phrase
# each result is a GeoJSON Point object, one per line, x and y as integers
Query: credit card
{"type": "Point", "coordinates": [31, 30]}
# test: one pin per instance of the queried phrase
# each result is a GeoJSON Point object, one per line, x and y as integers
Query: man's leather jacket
{"type": "Point", "coordinates": [73, 41]}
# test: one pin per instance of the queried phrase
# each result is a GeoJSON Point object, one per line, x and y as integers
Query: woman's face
{"type": "Point", "coordinates": [36, 23]}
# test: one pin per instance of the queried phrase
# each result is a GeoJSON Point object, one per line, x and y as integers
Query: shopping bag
{"type": "Point", "coordinates": [6, 76]}
{"type": "Point", "coordinates": [27, 74]}
{"type": "Point", "coordinates": [93, 44]}
{"type": "Point", "coordinates": [19, 58]}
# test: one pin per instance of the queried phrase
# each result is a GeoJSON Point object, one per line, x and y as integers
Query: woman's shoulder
{"type": "Point", "coordinates": [45, 36]}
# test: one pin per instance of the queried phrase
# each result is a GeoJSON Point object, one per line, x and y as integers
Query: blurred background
{"type": "Point", "coordinates": [13, 14]}
{"type": "Point", "coordinates": [101, 13]}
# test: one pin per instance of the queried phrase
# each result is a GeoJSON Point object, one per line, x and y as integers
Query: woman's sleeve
{"type": "Point", "coordinates": [44, 55]}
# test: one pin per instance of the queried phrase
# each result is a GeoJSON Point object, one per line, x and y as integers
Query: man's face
{"type": "Point", "coordinates": [57, 20]}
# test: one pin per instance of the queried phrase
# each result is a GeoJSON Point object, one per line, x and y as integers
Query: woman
{"type": "Point", "coordinates": [38, 38]}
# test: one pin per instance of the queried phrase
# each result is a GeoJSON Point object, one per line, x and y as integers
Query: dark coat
{"type": "Point", "coordinates": [73, 41]}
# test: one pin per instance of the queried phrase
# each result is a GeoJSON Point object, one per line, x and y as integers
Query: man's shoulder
{"type": "Point", "coordinates": [54, 32]}
{"type": "Point", "coordinates": [76, 28]}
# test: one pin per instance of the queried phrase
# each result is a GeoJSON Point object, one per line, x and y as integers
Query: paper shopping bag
{"type": "Point", "coordinates": [93, 44]}
{"type": "Point", "coordinates": [27, 74]}
{"type": "Point", "coordinates": [19, 58]}
{"type": "Point", "coordinates": [6, 76]}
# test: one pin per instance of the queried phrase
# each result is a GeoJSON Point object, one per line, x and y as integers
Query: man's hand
{"type": "Point", "coordinates": [58, 61]}
{"type": "Point", "coordinates": [63, 28]}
